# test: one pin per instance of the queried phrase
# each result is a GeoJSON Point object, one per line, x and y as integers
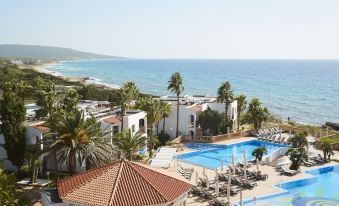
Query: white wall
{"type": "Point", "coordinates": [184, 122]}
{"type": "Point", "coordinates": [184, 118]}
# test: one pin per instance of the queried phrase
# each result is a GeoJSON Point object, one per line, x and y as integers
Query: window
{"type": "Point", "coordinates": [115, 130]}
{"type": "Point", "coordinates": [133, 128]}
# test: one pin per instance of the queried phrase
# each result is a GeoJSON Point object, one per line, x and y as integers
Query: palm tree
{"type": "Point", "coordinates": [327, 149]}
{"type": "Point", "coordinates": [126, 93]}
{"type": "Point", "coordinates": [297, 156]}
{"type": "Point", "coordinates": [165, 110]}
{"type": "Point", "coordinates": [225, 95]}
{"type": "Point", "coordinates": [259, 152]}
{"type": "Point", "coordinates": [241, 105]}
{"type": "Point", "coordinates": [298, 141]}
{"type": "Point", "coordinates": [129, 143]}
{"type": "Point", "coordinates": [257, 113]}
{"type": "Point", "coordinates": [175, 85]}
{"type": "Point", "coordinates": [152, 108]}
{"type": "Point", "coordinates": [77, 140]}
{"type": "Point", "coordinates": [132, 91]}
{"type": "Point", "coordinates": [297, 152]}
{"type": "Point", "coordinates": [153, 140]}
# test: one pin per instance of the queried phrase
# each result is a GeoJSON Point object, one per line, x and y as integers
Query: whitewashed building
{"type": "Point", "coordinates": [189, 109]}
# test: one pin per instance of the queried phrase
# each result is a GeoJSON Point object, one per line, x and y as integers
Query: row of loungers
{"type": "Point", "coordinates": [271, 131]}
{"type": "Point", "coordinates": [163, 157]}
{"type": "Point", "coordinates": [313, 161]}
{"type": "Point", "coordinates": [274, 138]}
{"type": "Point", "coordinates": [316, 160]}
{"type": "Point", "coordinates": [185, 172]}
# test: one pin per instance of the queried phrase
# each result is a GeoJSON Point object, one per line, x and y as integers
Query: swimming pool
{"type": "Point", "coordinates": [211, 155]}
{"type": "Point", "coordinates": [321, 189]}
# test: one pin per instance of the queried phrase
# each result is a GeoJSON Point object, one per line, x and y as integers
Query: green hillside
{"type": "Point", "coordinates": [46, 52]}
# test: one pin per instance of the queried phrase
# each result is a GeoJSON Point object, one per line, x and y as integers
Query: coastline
{"type": "Point", "coordinates": [44, 68]}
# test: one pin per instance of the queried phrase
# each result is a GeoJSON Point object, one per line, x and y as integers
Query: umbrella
{"type": "Point", "coordinates": [241, 198]}
{"type": "Point", "coordinates": [216, 174]}
{"type": "Point", "coordinates": [245, 164]}
{"type": "Point", "coordinates": [280, 133]}
{"type": "Point", "coordinates": [229, 186]}
{"type": "Point", "coordinates": [207, 182]}
{"type": "Point", "coordinates": [289, 134]}
{"type": "Point", "coordinates": [196, 177]}
{"type": "Point", "coordinates": [222, 165]}
{"type": "Point", "coordinates": [257, 164]}
{"type": "Point", "coordinates": [254, 200]}
{"type": "Point", "coordinates": [233, 163]}
{"type": "Point", "coordinates": [217, 188]}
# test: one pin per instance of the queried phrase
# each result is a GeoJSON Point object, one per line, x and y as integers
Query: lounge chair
{"type": "Point", "coordinates": [203, 182]}
{"type": "Point", "coordinates": [186, 173]}
{"type": "Point", "coordinates": [207, 195]}
{"type": "Point", "coordinates": [287, 171]}
{"type": "Point", "coordinates": [308, 164]}
{"type": "Point", "coordinates": [259, 176]}
{"type": "Point", "coordinates": [216, 202]}
{"type": "Point", "coordinates": [248, 184]}
{"type": "Point", "coordinates": [195, 191]}
{"type": "Point", "coordinates": [233, 190]}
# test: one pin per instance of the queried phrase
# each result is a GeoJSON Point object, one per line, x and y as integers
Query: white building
{"type": "Point", "coordinates": [110, 122]}
{"type": "Point", "coordinates": [135, 120]}
{"type": "Point", "coordinates": [189, 109]}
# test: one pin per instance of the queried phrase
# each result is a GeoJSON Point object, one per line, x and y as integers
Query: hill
{"type": "Point", "coordinates": [46, 52]}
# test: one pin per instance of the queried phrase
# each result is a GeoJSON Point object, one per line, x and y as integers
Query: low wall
{"type": "Point", "coordinates": [217, 138]}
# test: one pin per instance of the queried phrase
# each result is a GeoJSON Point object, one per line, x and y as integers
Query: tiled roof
{"type": "Point", "coordinates": [122, 183]}
{"type": "Point", "coordinates": [41, 128]}
{"type": "Point", "coordinates": [112, 119]}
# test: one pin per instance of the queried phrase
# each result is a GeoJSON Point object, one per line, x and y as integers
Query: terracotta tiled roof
{"type": "Point", "coordinates": [112, 119]}
{"type": "Point", "coordinates": [123, 183]}
{"type": "Point", "coordinates": [41, 128]}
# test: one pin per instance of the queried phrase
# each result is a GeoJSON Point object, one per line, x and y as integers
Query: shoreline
{"type": "Point", "coordinates": [85, 81]}
{"type": "Point", "coordinates": [44, 68]}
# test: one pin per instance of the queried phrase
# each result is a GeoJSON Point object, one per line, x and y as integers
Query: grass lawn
{"type": "Point", "coordinates": [330, 139]}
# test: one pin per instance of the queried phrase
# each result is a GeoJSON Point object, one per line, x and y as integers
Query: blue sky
{"type": "Point", "coordinates": [263, 29]}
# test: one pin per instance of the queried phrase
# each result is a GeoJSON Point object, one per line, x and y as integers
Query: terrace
{"type": "Point", "coordinates": [198, 169]}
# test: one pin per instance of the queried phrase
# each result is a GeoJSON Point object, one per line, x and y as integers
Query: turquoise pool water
{"type": "Point", "coordinates": [320, 190]}
{"type": "Point", "coordinates": [211, 155]}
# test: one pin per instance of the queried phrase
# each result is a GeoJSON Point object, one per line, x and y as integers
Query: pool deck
{"type": "Point", "coordinates": [263, 188]}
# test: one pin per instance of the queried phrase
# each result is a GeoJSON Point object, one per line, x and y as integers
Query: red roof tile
{"type": "Point", "coordinates": [41, 128]}
{"type": "Point", "coordinates": [123, 183]}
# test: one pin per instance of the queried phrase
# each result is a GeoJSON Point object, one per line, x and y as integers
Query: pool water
{"type": "Point", "coordinates": [321, 189]}
{"type": "Point", "coordinates": [211, 155]}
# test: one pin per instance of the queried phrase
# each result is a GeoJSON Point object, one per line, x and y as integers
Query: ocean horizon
{"type": "Point", "coordinates": [304, 90]}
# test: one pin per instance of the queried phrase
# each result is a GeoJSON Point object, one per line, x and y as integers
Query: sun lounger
{"type": "Point", "coordinates": [216, 202]}
{"type": "Point", "coordinates": [186, 173]}
{"type": "Point", "coordinates": [233, 190]}
{"type": "Point", "coordinates": [207, 195]}
{"type": "Point", "coordinates": [160, 163]}
{"type": "Point", "coordinates": [248, 184]}
{"type": "Point", "coordinates": [308, 164]}
{"type": "Point", "coordinates": [287, 171]}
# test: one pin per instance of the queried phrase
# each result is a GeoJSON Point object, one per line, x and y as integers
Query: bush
{"type": "Point", "coordinates": [139, 157]}
{"type": "Point", "coordinates": [163, 138]}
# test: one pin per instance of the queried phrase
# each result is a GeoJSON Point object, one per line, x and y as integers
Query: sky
{"type": "Point", "coordinates": [233, 29]}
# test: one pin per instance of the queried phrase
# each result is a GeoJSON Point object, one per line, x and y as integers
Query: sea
{"type": "Point", "coordinates": [306, 91]}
